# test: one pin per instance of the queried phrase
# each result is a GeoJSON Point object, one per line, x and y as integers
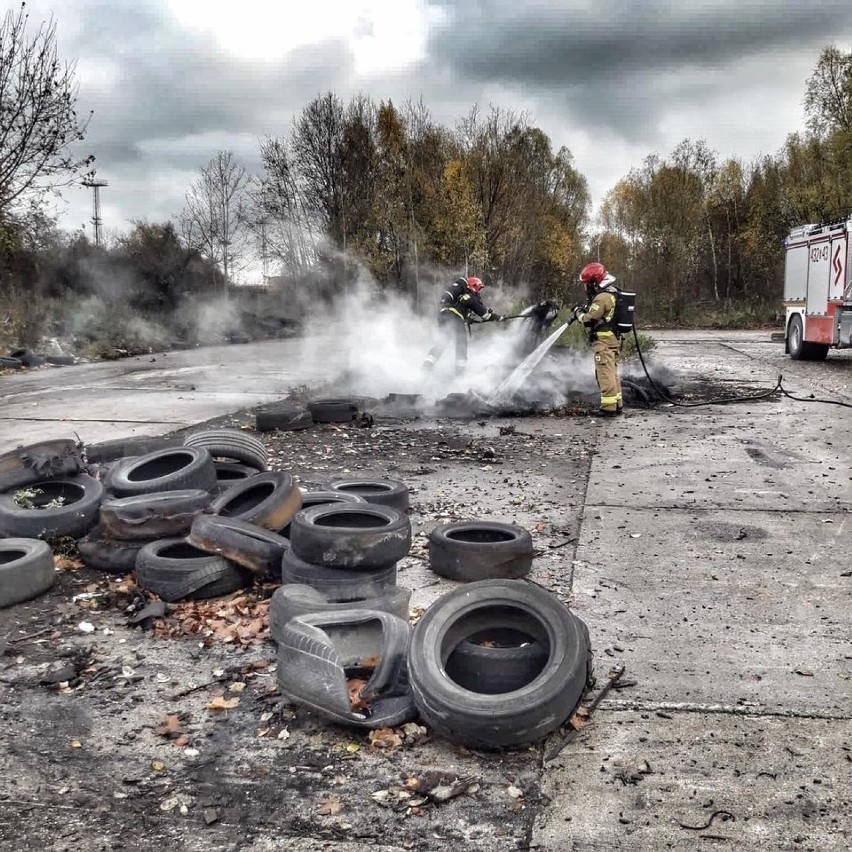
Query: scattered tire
{"type": "Point", "coordinates": [351, 536]}
{"type": "Point", "coordinates": [26, 569]}
{"type": "Point", "coordinates": [230, 445]}
{"type": "Point", "coordinates": [340, 584]}
{"type": "Point", "coordinates": [60, 360]}
{"type": "Point", "coordinates": [321, 498]}
{"type": "Point", "coordinates": [382, 492]}
{"type": "Point", "coordinates": [170, 469]}
{"type": "Point", "coordinates": [146, 517]}
{"type": "Point", "coordinates": [480, 550]}
{"type": "Point", "coordinates": [501, 720]}
{"type": "Point", "coordinates": [174, 569]}
{"type": "Point", "coordinates": [333, 410]}
{"type": "Point", "coordinates": [79, 498]}
{"type": "Point", "coordinates": [105, 452]}
{"type": "Point", "coordinates": [290, 601]}
{"type": "Point", "coordinates": [112, 556]}
{"type": "Point", "coordinates": [36, 462]}
{"type": "Point", "coordinates": [10, 364]}
{"type": "Point", "coordinates": [27, 357]}
{"type": "Point", "coordinates": [495, 661]}
{"type": "Point", "coordinates": [283, 417]}
{"type": "Point", "coordinates": [268, 500]}
{"type": "Point", "coordinates": [248, 545]}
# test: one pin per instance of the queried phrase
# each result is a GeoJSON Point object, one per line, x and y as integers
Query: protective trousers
{"type": "Point", "coordinates": [606, 349]}
{"type": "Point", "coordinates": [451, 327]}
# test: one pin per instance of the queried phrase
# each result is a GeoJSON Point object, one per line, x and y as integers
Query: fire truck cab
{"type": "Point", "coordinates": [818, 289]}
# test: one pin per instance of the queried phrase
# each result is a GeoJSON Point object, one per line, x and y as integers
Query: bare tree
{"type": "Point", "coordinates": [38, 121]}
{"type": "Point", "coordinates": [213, 220]}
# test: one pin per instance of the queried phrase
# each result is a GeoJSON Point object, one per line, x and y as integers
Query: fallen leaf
{"type": "Point", "coordinates": [237, 687]}
{"type": "Point", "coordinates": [169, 726]}
{"type": "Point", "coordinates": [385, 738]}
{"type": "Point", "coordinates": [76, 744]}
{"type": "Point", "coordinates": [352, 747]}
{"type": "Point", "coordinates": [329, 806]}
{"type": "Point", "coordinates": [356, 703]}
{"type": "Point", "coordinates": [220, 703]}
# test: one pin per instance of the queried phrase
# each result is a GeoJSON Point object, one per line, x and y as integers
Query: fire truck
{"type": "Point", "coordinates": [818, 289]}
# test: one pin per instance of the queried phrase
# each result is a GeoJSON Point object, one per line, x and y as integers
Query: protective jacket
{"type": "Point", "coordinates": [459, 300]}
{"type": "Point", "coordinates": [598, 317]}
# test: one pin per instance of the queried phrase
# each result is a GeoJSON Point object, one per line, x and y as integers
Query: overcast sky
{"type": "Point", "coordinates": [173, 81]}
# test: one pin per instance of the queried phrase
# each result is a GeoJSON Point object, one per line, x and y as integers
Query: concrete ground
{"type": "Point", "coordinates": [713, 560]}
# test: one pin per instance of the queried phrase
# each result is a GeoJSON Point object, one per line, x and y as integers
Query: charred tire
{"type": "Point", "coordinates": [26, 569]}
{"type": "Point", "coordinates": [60, 360]}
{"type": "Point", "coordinates": [27, 357]}
{"type": "Point", "coordinates": [171, 469]}
{"type": "Point", "coordinates": [321, 498]}
{"type": "Point", "coordinates": [146, 517]}
{"type": "Point", "coordinates": [333, 410]}
{"type": "Point", "coordinates": [284, 416]}
{"type": "Point", "coordinates": [248, 545]}
{"type": "Point", "coordinates": [10, 364]}
{"type": "Point", "coordinates": [337, 583]}
{"type": "Point", "coordinates": [174, 569]}
{"type": "Point", "coordinates": [502, 720]}
{"type": "Point", "coordinates": [268, 500]}
{"type": "Point", "coordinates": [351, 536]}
{"type": "Point", "coordinates": [36, 462]}
{"type": "Point", "coordinates": [290, 601]}
{"type": "Point", "coordinates": [480, 550]}
{"type": "Point", "coordinates": [496, 660]}
{"type": "Point", "coordinates": [74, 518]}
{"type": "Point", "coordinates": [105, 452]}
{"type": "Point", "coordinates": [112, 556]}
{"type": "Point", "coordinates": [382, 492]}
{"type": "Point", "coordinates": [230, 445]}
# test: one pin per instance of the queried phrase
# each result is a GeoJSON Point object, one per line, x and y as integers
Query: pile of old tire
{"type": "Point", "coordinates": [498, 663]}
{"type": "Point", "coordinates": [236, 455]}
{"type": "Point", "coordinates": [480, 550]}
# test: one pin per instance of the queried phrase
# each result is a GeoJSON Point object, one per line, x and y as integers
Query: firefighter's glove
{"type": "Point", "coordinates": [578, 313]}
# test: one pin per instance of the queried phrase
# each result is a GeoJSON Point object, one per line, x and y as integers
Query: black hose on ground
{"type": "Point", "coordinates": [779, 388]}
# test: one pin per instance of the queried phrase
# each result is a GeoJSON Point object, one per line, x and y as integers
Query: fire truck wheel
{"type": "Point", "coordinates": [26, 569]}
{"type": "Point", "coordinates": [798, 348]}
{"type": "Point", "coordinates": [480, 550]}
{"type": "Point", "coordinates": [507, 719]}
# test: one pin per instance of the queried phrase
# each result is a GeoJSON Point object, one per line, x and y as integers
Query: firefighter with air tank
{"type": "Point", "coordinates": [599, 317]}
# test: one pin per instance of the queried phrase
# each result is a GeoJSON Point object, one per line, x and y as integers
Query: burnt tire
{"type": "Point", "coordinates": [60, 360]}
{"type": "Point", "coordinates": [170, 469]}
{"type": "Point", "coordinates": [146, 517]}
{"type": "Point", "coordinates": [338, 584]}
{"type": "Point", "coordinates": [105, 452]}
{"type": "Point", "coordinates": [10, 364]}
{"type": "Point", "coordinates": [27, 357]}
{"type": "Point", "coordinates": [351, 536]}
{"type": "Point", "coordinates": [480, 550]}
{"type": "Point", "coordinates": [290, 601]}
{"type": "Point", "coordinates": [112, 556]}
{"type": "Point", "coordinates": [81, 496]}
{"type": "Point", "coordinates": [230, 445]}
{"type": "Point", "coordinates": [173, 569]}
{"type": "Point", "coordinates": [257, 549]}
{"type": "Point", "coordinates": [228, 473]}
{"type": "Point", "coordinates": [269, 500]}
{"type": "Point", "coordinates": [26, 569]}
{"type": "Point", "coordinates": [283, 417]}
{"type": "Point", "coordinates": [35, 462]}
{"type": "Point", "coordinates": [333, 410]}
{"type": "Point", "coordinates": [502, 720]}
{"type": "Point", "coordinates": [322, 498]}
{"type": "Point", "coordinates": [382, 492]}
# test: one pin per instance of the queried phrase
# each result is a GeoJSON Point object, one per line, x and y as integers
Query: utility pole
{"type": "Point", "coordinates": [95, 184]}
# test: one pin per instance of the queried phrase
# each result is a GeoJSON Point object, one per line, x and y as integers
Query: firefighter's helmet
{"type": "Point", "coordinates": [593, 273]}
{"type": "Point", "coordinates": [474, 284]}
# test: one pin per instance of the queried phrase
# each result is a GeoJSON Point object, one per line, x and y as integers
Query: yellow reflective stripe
{"type": "Point", "coordinates": [453, 311]}
{"type": "Point", "coordinates": [609, 400]}
{"type": "Point", "coordinates": [606, 334]}
{"type": "Point", "coordinates": [464, 298]}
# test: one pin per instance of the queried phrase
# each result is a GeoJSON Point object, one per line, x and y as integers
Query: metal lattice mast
{"type": "Point", "coordinates": [96, 185]}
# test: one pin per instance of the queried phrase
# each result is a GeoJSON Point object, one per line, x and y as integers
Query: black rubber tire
{"type": "Point", "coordinates": [36, 462]}
{"type": "Point", "coordinates": [338, 584]}
{"type": "Point", "coordinates": [227, 473]}
{"type": "Point", "coordinates": [333, 410]}
{"type": "Point", "coordinates": [147, 517]}
{"type": "Point", "coordinates": [105, 452]}
{"type": "Point", "coordinates": [382, 492]}
{"type": "Point", "coordinates": [480, 550]}
{"type": "Point", "coordinates": [283, 417]}
{"type": "Point", "coordinates": [290, 601]}
{"type": "Point", "coordinates": [74, 518]}
{"type": "Point", "coordinates": [112, 556]}
{"type": "Point", "coordinates": [173, 569]}
{"type": "Point", "coordinates": [798, 348]}
{"type": "Point", "coordinates": [26, 569]}
{"type": "Point", "coordinates": [513, 661]}
{"type": "Point", "coordinates": [322, 498]}
{"type": "Point", "coordinates": [27, 357]}
{"type": "Point", "coordinates": [60, 360]}
{"type": "Point", "coordinates": [171, 469]}
{"type": "Point", "coordinates": [269, 500]}
{"type": "Point", "coordinates": [251, 546]}
{"type": "Point", "coordinates": [10, 364]}
{"type": "Point", "coordinates": [230, 445]}
{"type": "Point", "coordinates": [351, 536]}
{"type": "Point", "coordinates": [508, 719]}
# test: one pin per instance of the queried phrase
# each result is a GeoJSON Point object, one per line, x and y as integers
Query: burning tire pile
{"type": "Point", "coordinates": [497, 662]}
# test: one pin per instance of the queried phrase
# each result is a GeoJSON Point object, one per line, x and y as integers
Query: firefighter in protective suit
{"type": "Point", "coordinates": [598, 317]}
{"type": "Point", "coordinates": [459, 302]}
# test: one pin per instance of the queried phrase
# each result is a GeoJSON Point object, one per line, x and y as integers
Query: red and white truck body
{"type": "Point", "coordinates": [818, 289]}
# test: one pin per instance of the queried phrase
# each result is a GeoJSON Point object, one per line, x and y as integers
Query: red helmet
{"type": "Point", "coordinates": [474, 284]}
{"type": "Point", "coordinates": [593, 273]}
